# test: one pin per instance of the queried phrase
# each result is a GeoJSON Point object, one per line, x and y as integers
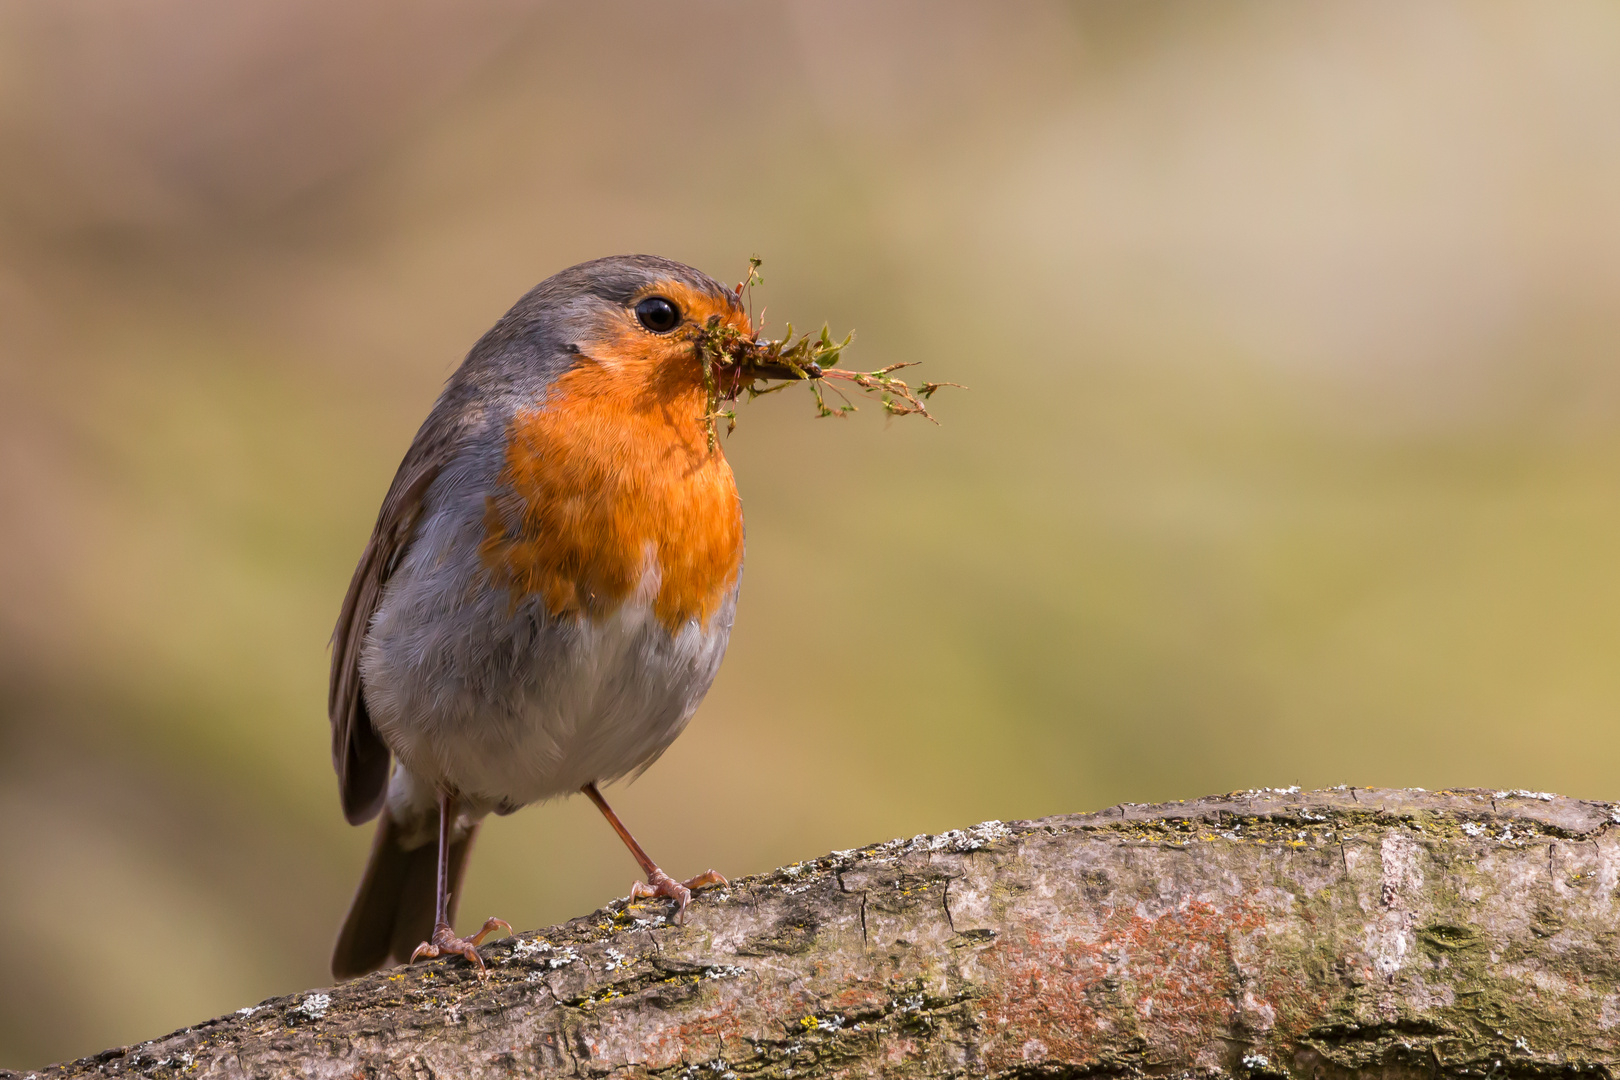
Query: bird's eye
{"type": "Point", "coordinates": [658, 315]}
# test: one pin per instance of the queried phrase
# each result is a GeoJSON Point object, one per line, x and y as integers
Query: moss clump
{"type": "Point", "coordinates": [735, 364]}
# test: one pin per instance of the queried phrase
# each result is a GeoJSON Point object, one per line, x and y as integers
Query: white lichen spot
{"type": "Point", "coordinates": [991, 831]}
{"type": "Point", "coordinates": [723, 971]}
{"type": "Point", "coordinates": [562, 959]}
{"type": "Point", "coordinates": [522, 949]}
{"type": "Point", "coordinates": [1473, 828]}
{"type": "Point", "coordinates": [1520, 793]}
{"type": "Point", "coordinates": [1521, 1044]}
{"type": "Point", "coordinates": [249, 1011]}
{"type": "Point", "coordinates": [1399, 859]}
{"type": "Point", "coordinates": [1258, 1015]}
{"type": "Point", "coordinates": [1389, 937]}
{"type": "Point", "coordinates": [314, 1006]}
{"type": "Point", "coordinates": [1256, 1061]}
{"type": "Point", "coordinates": [1387, 946]}
{"type": "Point", "coordinates": [615, 960]}
{"type": "Point", "coordinates": [963, 841]}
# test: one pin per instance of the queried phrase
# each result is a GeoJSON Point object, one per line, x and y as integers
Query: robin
{"type": "Point", "coordinates": [547, 593]}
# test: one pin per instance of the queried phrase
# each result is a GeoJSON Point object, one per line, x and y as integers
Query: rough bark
{"type": "Point", "coordinates": [1258, 935]}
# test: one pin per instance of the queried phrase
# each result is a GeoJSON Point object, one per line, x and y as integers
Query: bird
{"type": "Point", "coordinates": [547, 593]}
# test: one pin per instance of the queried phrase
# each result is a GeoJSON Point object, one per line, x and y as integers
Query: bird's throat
{"type": "Point", "coordinates": [608, 481]}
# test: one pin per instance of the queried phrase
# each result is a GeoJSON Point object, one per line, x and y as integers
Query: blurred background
{"type": "Point", "coordinates": [1292, 453]}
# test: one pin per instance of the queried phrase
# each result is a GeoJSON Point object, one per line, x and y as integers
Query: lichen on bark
{"type": "Point", "coordinates": [1256, 935]}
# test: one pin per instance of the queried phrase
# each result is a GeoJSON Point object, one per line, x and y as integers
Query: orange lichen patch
{"type": "Point", "coordinates": [709, 1034]}
{"type": "Point", "coordinates": [1169, 979]}
{"type": "Point", "coordinates": [1039, 1006]}
{"type": "Point", "coordinates": [860, 998]}
{"type": "Point", "coordinates": [1182, 970]}
{"type": "Point", "coordinates": [611, 477]}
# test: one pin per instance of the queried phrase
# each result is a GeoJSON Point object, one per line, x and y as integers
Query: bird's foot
{"type": "Point", "coordinates": [659, 883]}
{"type": "Point", "coordinates": [444, 942]}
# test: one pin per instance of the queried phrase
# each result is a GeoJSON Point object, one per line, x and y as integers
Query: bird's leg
{"type": "Point", "coordinates": [444, 939]}
{"type": "Point", "coordinates": [658, 882]}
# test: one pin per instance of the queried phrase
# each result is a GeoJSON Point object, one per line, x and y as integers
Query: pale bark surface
{"type": "Point", "coordinates": [1258, 935]}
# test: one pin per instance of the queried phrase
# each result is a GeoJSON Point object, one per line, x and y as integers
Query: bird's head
{"type": "Point", "coordinates": [654, 321]}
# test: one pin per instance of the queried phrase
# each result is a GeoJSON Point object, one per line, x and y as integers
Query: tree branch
{"type": "Point", "coordinates": [1257, 935]}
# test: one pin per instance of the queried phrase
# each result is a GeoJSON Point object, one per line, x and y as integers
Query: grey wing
{"type": "Point", "coordinates": [358, 753]}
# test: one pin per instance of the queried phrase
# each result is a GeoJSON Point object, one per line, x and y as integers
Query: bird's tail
{"type": "Point", "coordinates": [392, 911]}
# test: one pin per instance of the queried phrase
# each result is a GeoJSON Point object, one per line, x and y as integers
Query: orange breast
{"type": "Point", "coordinates": [611, 477]}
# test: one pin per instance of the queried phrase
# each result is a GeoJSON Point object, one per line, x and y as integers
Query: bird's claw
{"type": "Point", "coordinates": [659, 884]}
{"type": "Point", "coordinates": [444, 942]}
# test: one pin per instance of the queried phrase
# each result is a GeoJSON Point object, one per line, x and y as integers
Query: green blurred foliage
{"type": "Point", "coordinates": [1291, 455]}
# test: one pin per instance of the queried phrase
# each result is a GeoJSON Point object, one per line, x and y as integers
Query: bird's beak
{"type": "Point", "coordinates": [751, 370]}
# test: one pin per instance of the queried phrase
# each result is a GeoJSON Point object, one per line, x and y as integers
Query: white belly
{"type": "Point", "coordinates": [508, 707]}
{"type": "Point", "coordinates": [613, 701]}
